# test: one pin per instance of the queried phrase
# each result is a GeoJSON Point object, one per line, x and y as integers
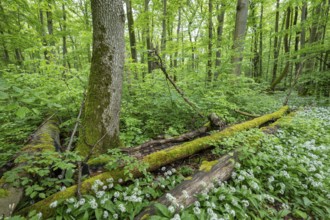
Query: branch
{"type": "Point", "coordinates": [160, 64]}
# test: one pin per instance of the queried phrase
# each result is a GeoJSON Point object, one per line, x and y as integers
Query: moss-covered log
{"type": "Point", "coordinates": [46, 138]}
{"type": "Point", "coordinates": [157, 160]}
{"type": "Point", "coordinates": [184, 194]}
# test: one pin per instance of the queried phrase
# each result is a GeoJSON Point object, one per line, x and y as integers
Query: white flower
{"type": "Point", "coordinates": [185, 194]}
{"type": "Point", "coordinates": [171, 209]}
{"type": "Point", "coordinates": [120, 180]}
{"type": "Point", "coordinates": [68, 210]}
{"type": "Point", "coordinates": [245, 203]}
{"type": "Point", "coordinates": [222, 197]}
{"type": "Point", "coordinates": [163, 169]}
{"type": "Point", "coordinates": [115, 216]}
{"type": "Point", "coordinates": [197, 211]}
{"type": "Point", "coordinates": [70, 200]}
{"type": "Point", "coordinates": [53, 204]}
{"type": "Point", "coordinates": [98, 182]}
{"type": "Point", "coordinates": [39, 215]}
{"type": "Point", "coordinates": [63, 188]}
{"type": "Point", "coordinates": [197, 204]}
{"type": "Point", "coordinates": [99, 194]}
{"type": "Point", "coordinates": [271, 179]}
{"type": "Point", "coordinates": [105, 214]}
{"type": "Point", "coordinates": [110, 185]}
{"type": "Point", "coordinates": [116, 194]}
{"type": "Point", "coordinates": [110, 180]}
{"type": "Point", "coordinates": [93, 204]}
{"type": "Point", "coordinates": [122, 208]}
{"type": "Point", "coordinates": [176, 217]}
{"type": "Point", "coordinates": [81, 201]}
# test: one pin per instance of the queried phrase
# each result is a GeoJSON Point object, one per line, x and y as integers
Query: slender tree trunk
{"type": "Point", "coordinates": [100, 124]}
{"type": "Point", "coordinates": [239, 34]}
{"type": "Point", "coordinates": [175, 63]}
{"type": "Point", "coordinates": [276, 48]}
{"type": "Point", "coordinates": [147, 35]}
{"type": "Point", "coordinates": [220, 19]}
{"type": "Point", "coordinates": [209, 61]}
{"type": "Point", "coordinates": [286, 50]}
{"type": "Point", "coordinates": [131, 32]}
{"type": "Point", "coordinates": [163, 40]}
{"type": "Point", "coordinates": [260, 40]}
{"type": "Point", "coordinates": [254, 45]}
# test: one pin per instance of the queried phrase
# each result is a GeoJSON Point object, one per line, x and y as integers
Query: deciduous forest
{"type": "Point", "coordinates": [164, 109]}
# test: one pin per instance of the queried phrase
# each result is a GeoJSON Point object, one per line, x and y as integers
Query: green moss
{"type": "Point", "coordinates": [206, 166]}
{"type": "Point", "coordinates": [3, 193]}
{"type": "Point", "coordinates": [146, 216]}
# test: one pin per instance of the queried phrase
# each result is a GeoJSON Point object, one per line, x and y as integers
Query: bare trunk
{"type": "Point", "coordinates": [276, 48]}
{"type": "Point", "coordinates": [131, 32]}
{"type": "Point", "coordinates": [175, 63]}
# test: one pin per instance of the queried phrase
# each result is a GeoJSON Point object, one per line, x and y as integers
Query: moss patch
{"type": "Point", "coordinates": [3, 193]}
{"type": "Point", "coordinates": [206, 166]}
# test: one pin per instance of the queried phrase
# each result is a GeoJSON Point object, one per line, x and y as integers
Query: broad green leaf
{"type": "Point", "coordinates": [22, 111]}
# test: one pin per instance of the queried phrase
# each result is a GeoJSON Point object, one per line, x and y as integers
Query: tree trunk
{"type": "Point", "coordinates": [175, 63]}
{"type": "Point", "coordinates": [286, 50]}
{"type": "Point", "coordinates": [276, 48]}
{"type": "Point", "coordinates": [239, 34]}
{"type": "Point", "coordinates": [100, 123]}
{"type": "Point", "coordinates": [260, 40]}
{"type": "Point", "coordinates": [156, 160]}
{"type": "Point", "coordinates": [220, 18]}
{"type": "Point", "coordinates": [209, 54]}
{"type": "Point", "coordinates": [131, 32]}
{"type": "Point", "coordinates": [163, 40]}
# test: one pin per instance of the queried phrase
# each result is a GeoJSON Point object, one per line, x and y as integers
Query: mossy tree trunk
{"type": "Point", "coordinates": [156, 160]}
{"type": "Point", "coordinates": [100, 123]}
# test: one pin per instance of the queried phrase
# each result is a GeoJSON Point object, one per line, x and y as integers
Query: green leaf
{"type": "Point", "coordinates": [86, 216]}
{"type": "Point", "coordinates": [22, 111]}
{"type": "Point", "coordinates": [300, 213]}
{"type": "Point", "coordinates": [284, 212]}
{"type": "Point", "coordinates": [98, 214]}
{"type": "Point", "coordinates": [163, 210]}
{"type": "Point", "coordinates": [3, 95]}
{"type": "Point", "coordinates": [307, 202]}
{"type": "Point", "coordinates": [42, 195]}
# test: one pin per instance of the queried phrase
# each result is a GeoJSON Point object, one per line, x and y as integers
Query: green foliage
{"type": "Point", "coordinates": [39, 174]}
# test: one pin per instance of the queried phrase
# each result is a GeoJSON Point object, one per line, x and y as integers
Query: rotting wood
{"type": "Point", "coordinates": [46, 138]}
{"type": "Point", "coordinates": [246, 113]}
{"type": "Point", "coordinates": [155, 160]}
{"type": "Point", "coordinates": [215, 123]}
{"type": "Point", "coordinates": [184, 193]}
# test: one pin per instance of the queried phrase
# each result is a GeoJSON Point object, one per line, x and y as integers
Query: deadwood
{"type": "Point", "coordinates": [46, 138]}
{"type": "Point", "coordinates": [202, 181]}
{"type": "Point", "coordinates": [156, 160]}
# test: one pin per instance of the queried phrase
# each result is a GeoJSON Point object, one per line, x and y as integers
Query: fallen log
{"type": "Point", "coordinates": [155, 160]}
{"type": "Point", "coordinates": [215, 123]}
{"type": "Point", "coordinates": [184, 194]}
{"type": "Point", "coordinates": [46, 138]}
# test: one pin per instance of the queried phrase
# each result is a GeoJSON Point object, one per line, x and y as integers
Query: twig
{"type": "Point", "coordinates": [246, 113]}
{"type": "Point", "coordinates": [160, 64]}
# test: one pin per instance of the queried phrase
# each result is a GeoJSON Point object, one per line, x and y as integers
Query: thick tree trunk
{"type": "Point", "coordinates": [276, 48]}
{"type": "Point", "coordinates": [102, 108]}
{"type": "Point", "coordinates": [239, 34]}
{"type": "Point", "coordinates": [157, 160]}
{"type": "Point", "coordinates": [46, 138]}
{"type": "Point", "coordinates": [185, 193]}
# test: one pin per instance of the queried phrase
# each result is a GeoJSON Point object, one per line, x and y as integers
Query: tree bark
{"type": "Point", "coordinates": [102, 107]}
{"type": "Point", "coordinates": [276, 48]}
{"type": "Point", "coordinates": [156, 160]}
{"type": "Point", "coordinates": [239, 34]}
